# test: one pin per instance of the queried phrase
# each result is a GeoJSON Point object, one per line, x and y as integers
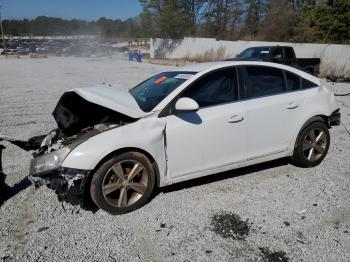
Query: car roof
{"type": "Point", "coordinates": [204, 68]}
{"type": "Point", "coordinates": [207, 67]}
{"type": "Point", "coordinates": [197, 67]}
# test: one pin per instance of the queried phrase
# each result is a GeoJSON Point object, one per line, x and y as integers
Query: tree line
{"type": "Point", "coordinates": [322, 21]}
{"type": "Point", "coordinates": [51, 26]}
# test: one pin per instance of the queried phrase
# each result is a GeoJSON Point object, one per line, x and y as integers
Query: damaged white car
{"type": "Point", "coordinates": [116, 146]}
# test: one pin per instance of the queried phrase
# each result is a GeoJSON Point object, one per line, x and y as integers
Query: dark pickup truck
{"type": "Point", "coordinates": [279, 54]}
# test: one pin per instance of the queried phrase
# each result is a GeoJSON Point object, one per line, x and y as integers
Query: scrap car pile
{"type": "Point", "coordinates": [60, 47]}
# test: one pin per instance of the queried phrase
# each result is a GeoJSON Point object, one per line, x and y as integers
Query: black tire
{"type": "Point", "coordinates": [114, 201]}
{"type": "Point", "coordinates": [305, 143]}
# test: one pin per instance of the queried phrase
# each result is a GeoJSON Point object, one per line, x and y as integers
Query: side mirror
{"type": "Point", "coordinates": [186, 105]}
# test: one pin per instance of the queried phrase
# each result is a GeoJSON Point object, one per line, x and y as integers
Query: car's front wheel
{"type": "Point", "coordinates": [312, 145]}
{"type": "Point", "coordinates": [123, 183]}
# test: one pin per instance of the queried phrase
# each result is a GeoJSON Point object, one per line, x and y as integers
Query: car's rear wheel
{"type": "Point", "coordinates": [123, 183]}
{"type": "Point", "coordinates": [312, 145]}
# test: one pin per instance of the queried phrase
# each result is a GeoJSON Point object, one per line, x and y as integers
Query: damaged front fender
{"type": "Point", "coordinates": [146, 134]}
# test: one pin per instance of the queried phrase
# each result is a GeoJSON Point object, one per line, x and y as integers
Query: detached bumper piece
{"type": "Point", "coordinates": [69, 184]}
{"type": "Point", "coordinates": [31, 144]}
{"type": "Point", "coordinates": [2, 175]}
{"type": "Point", "coordinates": [334, 118]}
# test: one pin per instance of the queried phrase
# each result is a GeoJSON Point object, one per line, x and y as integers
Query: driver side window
{"type": "Point", "coordinates": [214, 88]}
{"type": "Point", "coordinates": [277, 53]}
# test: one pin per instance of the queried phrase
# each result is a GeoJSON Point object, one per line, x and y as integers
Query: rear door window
{"type": "Point", "coordinates": [214, 88]}
{"type": "Point", "coordinates": [293, 81]}
{"type": "Point", "coordinates": [262, 81]}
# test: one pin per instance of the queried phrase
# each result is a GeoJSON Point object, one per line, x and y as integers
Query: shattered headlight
{"type": "Point", "coordinates": [48, 162]}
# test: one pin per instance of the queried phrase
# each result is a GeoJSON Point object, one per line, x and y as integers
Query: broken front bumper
{"type": "Point", "coordinates": [69, 184]}
{"type": "Point", "coordinates": [334, 118]}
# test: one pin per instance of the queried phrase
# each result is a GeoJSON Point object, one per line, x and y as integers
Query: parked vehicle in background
{"type": "Point", "coordinates": [116, 146]}
{"type": "Point", "coordinates": [66, 47]}
{"type": "Point", "coordinates": [281, 55]}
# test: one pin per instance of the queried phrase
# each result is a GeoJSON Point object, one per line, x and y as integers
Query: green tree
{"type": "Point", "coordinates": [170, 18]}
{"type": "Point", "coordinates": [327, 21]}
{"type": "Point", "coordinates": [279, 22]}
{"type": "Point", "coordinates": [256, 11]}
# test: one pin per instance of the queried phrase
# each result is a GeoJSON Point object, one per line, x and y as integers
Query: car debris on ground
{"type": "Point", "coordinates": [40, 48]}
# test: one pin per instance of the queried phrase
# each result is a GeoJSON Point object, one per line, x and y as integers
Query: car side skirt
{"type": "Point", "coordinates": [225, 168]}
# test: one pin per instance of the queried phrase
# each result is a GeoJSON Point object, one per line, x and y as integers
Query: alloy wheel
{"type": "Point", "coordinates": [314, 144]}
{"type": "Point", "coordinates": [125, 183]}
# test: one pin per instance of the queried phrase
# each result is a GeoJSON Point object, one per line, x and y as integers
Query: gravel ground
{"type": "Point", "coordinates": [268, 212]}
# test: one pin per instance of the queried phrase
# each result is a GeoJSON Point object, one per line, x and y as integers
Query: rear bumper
{"type": "Point", "coordinates": [334, 118]}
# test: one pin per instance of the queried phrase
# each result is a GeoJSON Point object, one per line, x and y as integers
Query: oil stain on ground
{"type": "Point", "coordinates": [269, 256]}
{"type": "Point", "coordinates": [229, 225]}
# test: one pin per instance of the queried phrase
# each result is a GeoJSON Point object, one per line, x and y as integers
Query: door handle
{"type": "Point", "coordinates": [236, 119]}
{"type": "Point", "coordinates": [292, 105]}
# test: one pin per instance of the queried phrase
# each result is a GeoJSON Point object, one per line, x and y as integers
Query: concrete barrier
{"type": "Point", "coordinates": [192, 48]}
{"type": "Point", "coordinates": [62, 37]}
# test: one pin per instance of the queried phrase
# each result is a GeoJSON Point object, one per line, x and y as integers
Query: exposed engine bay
{"type": "Point", "coordinates": [74, 114]}
{"type": "Point", "coordinates": [77, 120]}
{"type": "Point", "coordinates": [57, 139]}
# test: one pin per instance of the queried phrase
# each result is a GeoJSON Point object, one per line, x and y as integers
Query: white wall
{"type": "Point", "coordinates": [191, 47]}
{"type": "Point", "coordinates": [68, 37]}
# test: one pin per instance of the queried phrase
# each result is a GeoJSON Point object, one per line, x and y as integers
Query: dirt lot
{"type": "Point", "coordinates": [268, 212]}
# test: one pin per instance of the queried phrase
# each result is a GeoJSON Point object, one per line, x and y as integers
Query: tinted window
{"type": "Point", "coordinates": [263, 81]}
{"type": "Point", "coordinates": [307, 84]}
{"type": "Point", "coordinates": [255, 52]}
{"type": "Point", "coordinates": [277, 53]}
{"type": "Point", "coordinates": [293, 81]}
{"type": "Point", "coordinates": [214, 88]}
{"type": "Point", "coordinates": [289, 53]}
{"type": "Point", "coordinates": [149, 93]}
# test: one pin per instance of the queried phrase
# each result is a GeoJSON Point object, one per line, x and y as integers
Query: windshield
{"type": "Point", "coordinates": [149, 93]}
{"type": "Point", "coordinates": [255, 52]}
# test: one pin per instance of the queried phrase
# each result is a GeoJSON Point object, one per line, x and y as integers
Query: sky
{"type": "Point", "coordinates": [68, 9]}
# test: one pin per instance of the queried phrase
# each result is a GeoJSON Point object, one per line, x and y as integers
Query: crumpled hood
{"type": "Point", "coordinates": [86, 107]}
{"type": "Point", "coordinates": [113, 97]}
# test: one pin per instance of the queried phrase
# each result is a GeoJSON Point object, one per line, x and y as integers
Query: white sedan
{"type": "Point", "coordinates": [114, 146]}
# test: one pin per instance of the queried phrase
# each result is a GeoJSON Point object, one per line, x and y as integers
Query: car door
{"type": "Point", "coordinates": [214, 136]}
{"type": "Point", "coordinates": [289, 56]}
{"type": "Point", "coordinates": [277, 55]}
{"type": "Point", "coordinates": [273, 109]}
